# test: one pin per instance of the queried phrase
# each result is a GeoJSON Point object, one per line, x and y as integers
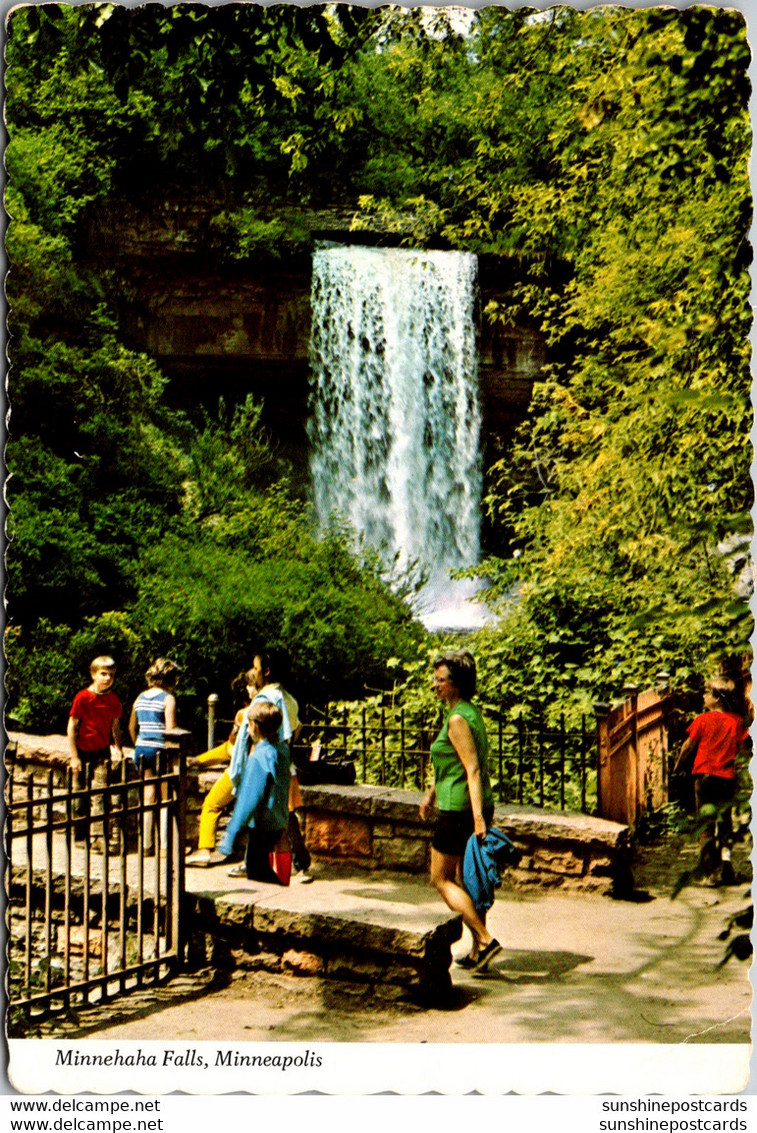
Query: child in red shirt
{"type": "Point", "coordinates": [715, 738]}
{"type": "Point", "coordinates": [93, 723]}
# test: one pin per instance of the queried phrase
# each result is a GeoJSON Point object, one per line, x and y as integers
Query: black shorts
{"type": "Point", "coordinates": [714, 790]}
{"type": "Point", "coordinates": [99, 755]}
{"type": "Point", "coordinates": [453, 829]}
{"type": "Point", "coordinates": [90, 762]}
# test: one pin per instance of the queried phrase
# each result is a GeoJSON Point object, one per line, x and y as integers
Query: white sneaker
{"type": "Point", "coordinates": [302, 876]}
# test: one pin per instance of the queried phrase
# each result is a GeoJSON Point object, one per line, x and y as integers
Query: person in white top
{"type": "Point", "coordinates": [261, 684]}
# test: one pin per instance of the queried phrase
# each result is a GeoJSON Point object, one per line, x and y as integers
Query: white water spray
{"type": "Point", "coordinates": [395, 416]}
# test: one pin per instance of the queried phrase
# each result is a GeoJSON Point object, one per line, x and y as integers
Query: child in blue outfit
{"type": "Point", "coordinates": [262, 803]}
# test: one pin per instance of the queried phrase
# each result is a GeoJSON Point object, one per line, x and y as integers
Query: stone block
{"type": "Point", "coordinates": [533, 824]}
{"type": "Point", "coordinates": [303, 963]}
{"type": "Point", "coordinates": [345, 965]}
{"type": "Point", "coordinates": [76, 937]}
{"type": "Point", "coordinates": [239, 914]}
{"type": "Point", "coordinates": [601, 866]}
{"type": "Point", "coordinates": [390, 929]}
{"type": "Point", "coordinates": [413, 830]}
{"type": "Point", "coordinates": [383, 830]}
{"type": "Point", "coordinates": [47, 750]}
{"type": "Point", "coordinates": [361, 865]}
{"type": "Point", "coordinates": [402, 853]}
{"type": "Point", "coordinates": [245, 961]}
{"type": "Point", "coordinates": [396, 805]}
{"type": "Point", "coordinates": [520, 878]}
{"type": "Point", "coordinates": [339, 835]}
{"type": "Point", "coordinates": [554, 861]}
{"type": "Point", "coordinates": [592, 884]}
{"type": "Point", "coordinates": [355, 800]}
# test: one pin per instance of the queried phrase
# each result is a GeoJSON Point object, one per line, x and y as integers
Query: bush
{"type": "Point", "coordinates": [211, 604]}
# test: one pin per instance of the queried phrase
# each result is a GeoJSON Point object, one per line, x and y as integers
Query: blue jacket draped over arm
{"type": "Point", "coordinates": [483, 863]}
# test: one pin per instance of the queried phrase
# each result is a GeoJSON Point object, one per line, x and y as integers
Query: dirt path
{"type": "Point", "coordinates": [574, 969]}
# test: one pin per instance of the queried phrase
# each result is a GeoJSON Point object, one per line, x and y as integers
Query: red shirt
{"type": "Point", "coordinates": [95, 712]}
{"type": "Point", "coordinates": [718, 736]}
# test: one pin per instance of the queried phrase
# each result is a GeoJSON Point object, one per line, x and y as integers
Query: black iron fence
{"type": "Point", "coordinates": [535, 764]}
{"type": "Point", "coordinates": [94, 883]}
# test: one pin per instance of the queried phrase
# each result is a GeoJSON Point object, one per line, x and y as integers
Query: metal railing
{"type": "Point", "coordinates": [88, 919]}
{"type": "Point", "coordinates": [549, 766]}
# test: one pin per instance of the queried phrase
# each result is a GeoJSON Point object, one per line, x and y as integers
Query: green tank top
{"type": "Point", "coordinates": [450, 778]}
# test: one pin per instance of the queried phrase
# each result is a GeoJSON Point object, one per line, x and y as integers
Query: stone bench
{"type": "Point", "coordinates": [388, 932]}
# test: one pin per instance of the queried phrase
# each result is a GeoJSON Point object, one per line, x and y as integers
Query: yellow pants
{"type": "Point", "coordinates": [220, 754]}
{"type": "Point", "coordinates": [217, 799]}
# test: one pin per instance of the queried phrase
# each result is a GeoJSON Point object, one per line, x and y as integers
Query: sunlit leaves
{"type": "Point", "coordinates": [635, 468]}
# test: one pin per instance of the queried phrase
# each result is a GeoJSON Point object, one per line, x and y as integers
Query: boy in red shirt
{"type": "Point", "coordinates": [715, 738]}
{"type": "Point", "coordinates": [93, 723]}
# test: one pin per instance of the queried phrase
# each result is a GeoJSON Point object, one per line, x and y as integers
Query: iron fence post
{"type": "Point", "coordinates": [122, 891]}
{"type": "Point", "coordinates": [583, 763]}
{"type": "Point", "coordinates": [365, 746]}
{"type": "Point", "coordinates": [69, 833]}
{"type": "Point", "coordinates": [141, 814]}
{"type": "Point", "coordinates": [402, 746]}
{"type": "Point", "coordinates": [49, 881]}
{"type": "Point", "coordinates": [562, 761]}
{"type": "Point", "coordinates": [500, 754]}
{"type": "Point", "coordinates": [177, 742]}
{"type": "Point", "coordinates": [601, 712]}
{"type": "Point", "coordinates": [383, 745]}
{"type": "Point", "coordinates": [29, 860]}
{"type": "Point", "coordinates": [541, 760]}
{"type": "Point", "coordinates": [521, 741]}
{"type": "Point", "coordinates": [212, 702]}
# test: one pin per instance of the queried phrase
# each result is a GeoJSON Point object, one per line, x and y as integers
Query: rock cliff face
{"type": "Point", "coordinates": [221, 328]}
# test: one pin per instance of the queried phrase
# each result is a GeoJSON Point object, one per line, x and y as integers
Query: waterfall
{"type": "Point", "coordinates": [394, 424]}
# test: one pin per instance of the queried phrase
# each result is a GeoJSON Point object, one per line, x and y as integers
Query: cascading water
{"type": "Point", "coordinates": [395, 418]}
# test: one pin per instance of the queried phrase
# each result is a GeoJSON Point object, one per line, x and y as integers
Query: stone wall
{"type": "Point", "coordinates": [380, 828]}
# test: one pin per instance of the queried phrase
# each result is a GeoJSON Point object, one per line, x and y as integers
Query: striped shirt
{"type": "Point", "coordinates": [150, 707]}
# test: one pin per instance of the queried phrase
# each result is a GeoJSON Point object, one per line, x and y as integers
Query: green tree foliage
{"type": "Point", "coordinates": [604, 152]}
{"type": "Point", "coordinates": [628, 494]}
{"type": "Point", "coordinates": [132, 530]}
{"type": "Point", "coordinates": [92, 460]}
{"type": "Point", "coordinates": [214, 97]}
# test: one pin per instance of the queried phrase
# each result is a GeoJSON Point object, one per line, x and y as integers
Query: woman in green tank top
{"type": "Point", "coordinates": [462, 794]}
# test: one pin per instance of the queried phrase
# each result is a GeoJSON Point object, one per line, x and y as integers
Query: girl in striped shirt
{"type": "Point", "coordinates": [152, 715]}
